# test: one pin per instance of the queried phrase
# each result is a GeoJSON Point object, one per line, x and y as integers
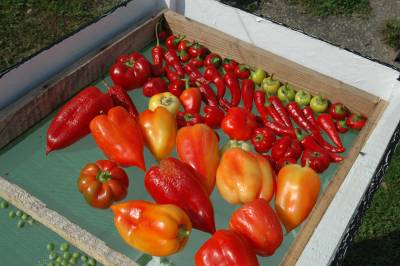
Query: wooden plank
{"type": "Point", "coordinates": [322, 205]}
{"type": "Point", "coordinates": [39, 102]}
{"type": "Point", "coordinates": [283, 69]}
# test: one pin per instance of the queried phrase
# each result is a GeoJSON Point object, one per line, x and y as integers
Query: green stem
{"type": "Point", "coordinates": [103, 176]}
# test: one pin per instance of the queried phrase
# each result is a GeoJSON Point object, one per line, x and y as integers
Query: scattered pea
{"type": "Point", "coordinates": [24, 216]}
{"type": "Point", "coordinates": [64, 247]}
{"type": "Point", "coordinates": [92, 262]}
{"type": "Point", "coordinates": [11, 214]}
{"type": "Point", "coordinates": [76, 255]}
{"type": "Point", "coordinates": [53, 255]}
{"type": "Point", "coordinates": [67, 255]}
{"type": "Point", "coordinates": [20, 224]}
{"type": "Point", "coordinates": [3, 204]}
{"type": "Point", "coordinates": [18, 213]}
{"type": "Point", "coordinates": [84, 258]}
{"type": "Point", "coordinates": [50, 246]}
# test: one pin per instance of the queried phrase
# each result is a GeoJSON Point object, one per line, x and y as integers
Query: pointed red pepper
{"type": "Point", "coordinates": [213, 60]}
{"type": "Point", "coordinates": [229, 65]}
{"type": "Point", "coordinates": [279, 129]}
{"type": "Point", "coordinates": [212, 74]}
{"type": "Point", "coordinates": [259, 100]}
{"type": "Point", "coordinates": [213, 116]}
{"type": "Point", "coordinates": [208, 95]}
{"type": "Point", "coordinates": [234, 88]}
{"type": "Point", "coordinates": [194, 75]}
{"type": "Point", "coordinates": [283, 114]}
{"type": "Point", "coordinates": [121, 98]}
{"type": "Point", "coordinates": [173, 60]}
{"type": "Point", "coordinates": [172, 75]}
{"type": "Point", "coordinates": [326, 123]}
{"type": "Point", "coordinates": [309, 115]}
{"type": "Point", "coordinates": [157, 54]}
{"type": "Point", "coordinates": [248, 93]}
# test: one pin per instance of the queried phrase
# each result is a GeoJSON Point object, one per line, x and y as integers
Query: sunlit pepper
{"type": "Point", "coordinates": [166, 100]}
{"type": "Point", "coordinates": [155, 229]}
{"type": "Point", "coordinates": [159, 129]}
{"type": "Point", "coordinates": [244, 176]}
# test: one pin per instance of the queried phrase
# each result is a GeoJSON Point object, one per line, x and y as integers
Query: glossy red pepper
{"type": "Point", "coordinates": [213, 60]}
{"type": "Point", "coordinates": [172, 59]}
{"type": "Point", "coordinates": [279, 129]}
{"type": "Point", "coordinates": [183, 45]}
{"type": "Point", "coordinates": [172, 75]}
{"type": "Point", "coordinates": [356, 121]}
{"type": "Point", "coordinates": [326, 123]}
{"type": "Point", "coordinates": [71, 123]}
{"type": "Point", "coordinates": [173, 41]}
{"type": "Point", "coordinates": [176, 87]}
{"type": "Point", "coordinates": [242, 71]}
{"type": "Point", "coordinates": [338, 111]}
{"type": "Point", "coordinates": [262, 139]}
{"type": "Point", "coordinates": [259, 100]}
{"type": "Point", "coordinates": [184, 56]}
{"type": "Point", "coordinates": [309, 115]}
{"type": "Point", "coordinates": [121, 98]}
{"type": "Point", "coordinates": [157, 54]}
{"type": "Point", "coordinates": [227, 248]}
{"type": "Point", "coordinates": [184, 119]}
{"type": "Point", "coordinates": [154, 86]}
{"type": "Point", "coordinates": [341, 126]}
{"type": "Point", "coordinates": [175, 182]}
{"type": "Point", "coordinates": [286, 147]}
{"type": "Point", "coordinates": [229, 65]}
{"type": "Point", "coordinates": [194, 75]}
{"type": "Point", "coordinates": [197, 50]}
{"type": "Point", "coordinates": [317, 160]}
{"type": "Point", "coordinates": [247, 93]}
{"type": "Point", "coordinates": [130, 71]}
{"type": "Point", "coordinates": [212, 74]}
{"type": "Point", "coordinates": [234, 88]}
{"type": "Point", "coordinates": [191, 100]}
{"type": "Point", "coordinates": [213, 116]}
{"type": "Point", "coordinates": [208, 95]}
{"type": "Point", "coordinates": [283, 162]}
{"type": "Point", "coordinates": [196, 62]}
{"type": "Point", "coordinates": [239, 123]}
{"type": "Point", "coordinates": [280, 109]}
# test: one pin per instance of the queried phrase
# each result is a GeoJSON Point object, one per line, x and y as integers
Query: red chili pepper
{"type": "Point", "coordinates": [341, 126]}
{"type": "Point", "coordinates": [356, 121]}
{"type": "Point", "coordinates": [259, 100]}
{"type": "Point", "coordinates": [183, 45]}
{"type": "Point", "coordinates": [196, 62]}
{"type": "Point", "coordinates": [212, 74]}
{"type": "Point", "coordinates": [176, 87]}
{"type": "Point", "coordinates": [229, 65]}
{"type": "Point", "coordinates": [154, 86]}
{"type": "Point", "coordinates": [247, 93]}
{"type": "Point", "coordinates": [326, 123]}
{"type": "Point", "coordinates": [172, 59]}
{"type": "Point", "coordinates": [242, 71]}
{"type": "Point", "coordinates": [213, 60]}
{"type": "Point", "coordinates": [197, 50]}
{"type": "Point", "coordinates": [308, 142]}
{"type": "Point", "coordinates": [234, 88]}
{"type": "Point", "coordinates": [208, 95]}
{"type": "Point", "coordinates": [286, 147]}
{"type": "Point", "coordinates": [262, 139]}
{"type": "Point", "coordinates": [239, 123]}
{"type": "Point", "coordinates": [213, 116]}
{"type": "Point", "coordinates": [279, 129]}
{"type": "Point", "coordinates": [283, 114]}
{"type": "Point", "coordinates": [191, 100]}
{"type": "Point", "coordinates": [173, 41]}
{"type": "Point", "coordinates": [309, 115]}
{"type": "Point", "coordinates": [317, 160]}
{"type": "Point", "coordinates": [71, 123]}
{"type": "Point", "coordinates": [121, 98]}
{"type": "Point", "coordinates": [194, 75]}
{"type": "Point", "coordinates": [162, 35]}
{"type": "Point", "coordinates": [275, 115]}
{"type": "Point", "coordinates": [338, 111]}
{"type": "Point", "coordinates": [184, 56]}
{"type": "Point", "coordinates": [172, 75]}
{"type": "Point", "coordinates": [184, 119]}
{"type": "Point", "coordinates": [157, 54]}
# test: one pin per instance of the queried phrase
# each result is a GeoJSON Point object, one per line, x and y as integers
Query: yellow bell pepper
{"type": "Point", "coordinates": [166, 100]}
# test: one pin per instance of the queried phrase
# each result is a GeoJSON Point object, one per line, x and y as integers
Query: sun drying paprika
{"type": "Point", "coordinates": [262, 139]}
{"type": "Point", "coordinates": [157, 54]}
{"type": "Point", "coordinates": [247, 93]}
{"type": "Point", "coordinates": [191, 100]}
{"type": "Point", "coordinates": [121, 98]}
{"type": "Point", "coordinates": [242, 71]}
{"type": "Point", "coordinates": [102, 183]}
{"type": "Point", "coordinates": [317, 160]}
{"type": "Point", "coordinates": [213, 116]}
{"type": "Point", "coordinates": [119, 136]}
{"type": "Point", "coordinates": [175, 182]}
{"type": "Point", "coordinates": [326, 123]}
{"type": "Point", "coordinates": [166, 100]}
{"type": "Point", "coordinates": [154, 86]}
{"type": "Point", "coordinates": [212, 74]}
{"type": "Point", "coordinates": [234, 88]}
{"type": "Point", "coordinates": [172, 41]}
{"type": "Point", "coordinates": [341, 126]}
{"type": "Point", "coordinates": [239, 123]}
{"type": "Point", "coordinates": [155, 229]}
{"type": "Point", "coordinates": [176, 87]}
{"type": "Point", "coordinates": [279, 129]}
{"type": "Point", "coordinates": [286, 147]}
{"type": "Point", "coordinates": [338, 111]}
{"type": "Point", "coordinates": [229, 65]}
{"type": "Point", "coordinates": [356, 121]}
{"type": "Point", "coordinates": [71, 123]}
{"type": "Point", "coordinates": [184, 119]}
{"type": "Point", "coordinates": [213, 60]}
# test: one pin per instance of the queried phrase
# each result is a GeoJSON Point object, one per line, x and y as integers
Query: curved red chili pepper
{"type": "Point", "coordinates": [309, 115]}
{"type": "Point", "coordinates": [173, 60]}
{"type": "Point", "coordinates": [326, 123]}
{"type": "Point", "coordinates": [171, 75]}
{"type": "Point", "coordinates": [274, 100]}
{"type": "Point", "coordinates": [274, 114]}
{"type": "Point", "coordinates": [259, 100]}
{"type": "Point", "coordinates": [208, 95]}
{"type": "Point", "coordinates": [120, 97]}
{"type": "Point", "coordinates": [194, 75]}
{"type": "Point", "coordinates": [233, 85]}
{"type": "Point", "coordinates": [212, 74]}
{"type": "Point", "coordinates": [279, 129]}
{"type": "Point", "coordinates": [247, 93]}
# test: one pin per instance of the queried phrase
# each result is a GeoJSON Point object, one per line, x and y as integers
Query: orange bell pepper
{"type": "Point", "coordinates": [155, 229]}
{"type": "Point", "coordinates": [198, 146]}
{"type": "Point", "coordinates": [159, 129]}
{"type": "Point", "coordinates": [244, 176]}
{"type": "Point", "coordinates": [119, 136]}
{"type": "Point", "coordinates": [296, 194]}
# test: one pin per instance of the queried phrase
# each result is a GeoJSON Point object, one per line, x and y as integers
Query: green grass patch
{"type": "Point", "coordinates": [391, 33]}
{"type": "Point", "coordinates": [325, 8]}
{"type": "Point", "coordinates": [30, 25]}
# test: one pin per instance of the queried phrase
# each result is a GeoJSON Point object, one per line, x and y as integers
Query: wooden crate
{"type": "Point", "coordinates": [34, 106]}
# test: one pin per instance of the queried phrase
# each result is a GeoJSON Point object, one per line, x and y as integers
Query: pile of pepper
{"type": "Point", "coordinates": [186, 84]}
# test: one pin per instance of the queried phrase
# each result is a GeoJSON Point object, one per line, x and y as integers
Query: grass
{"type": "Point", "coordinates": [391, 33]}
{"type": "Point", "coordinates": [324, 8]}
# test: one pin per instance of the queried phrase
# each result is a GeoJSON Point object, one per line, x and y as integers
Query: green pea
{"type": "Point", "coordinates": [53, 255]}
{"type": "Point", "coordinates": [20, 224]}
{"type": "Point", "coordinates": [84, 258]}
{"type": "Point", "coordinates": [76, 255]}
{"type": "Point", "coordinates": [11, 214]}
{"type": "Point", "coordinates": [3, 204]}
{"type": "Point", "coordinates": [64, 247]}
{"type": "Point", "coordinates": [24, 216]}
{"type": "Point", "coordinates": [18, 213]}
{"type": "Point", "coordinates": [50, 247]}
{"type": "Point", "coordinates": [92, 262]}
{"type": "Point", "coordinates": [67, 255]}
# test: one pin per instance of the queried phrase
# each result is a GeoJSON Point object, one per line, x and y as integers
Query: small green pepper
{"type": "Point", "coordinates": [50, 246]}
{"type": "Point", "coordinates": [64, 247]}
{"type": "Point", "coordinates": [53, 255]}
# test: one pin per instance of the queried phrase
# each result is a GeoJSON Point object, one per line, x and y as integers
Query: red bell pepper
{"type": "Point", "coordinates": [196, 62]}
{"type": "Point", "coordinates": [71, 123]}
{"type": "Point", "coordinates": [341, 126]}
{"type": "Point", "coordinates": [120, 137]}
{"type": "Point", "coordinates": [197, 50]}
{"type": "Point", "coordinates": [213, 60]}
{"type": "Point", "coordinates": [176, 87]}
{"type": "Point", "coordinates": [130, 71]}
{"type": "Point", "coordinates": [279, 129]}
{"type": "Point", "coordinates": [338, 111]}
{"type": "Point", "coordinates": [286, 147]}
{"type": "Point", "coordinates": [229, 65]}
{"type": "Point", "coordinates": [212, 74]}
{"type": "Point", "coordinates": [208, 95]}
{"type": "Point", "coordinates": [173, 41]}
{"type": "Point", "coordinates": [175, 182]}
{"type": "Point", "coordinates": [213, 116]}
{"type": "Point", "coordinates": [226, 248]}
{"type": "Point", "coordinates": [280, 109]}
{"type": "Point", "coordinates": [172, 59]}
{"type": "Point", "coordinates": [259, 224]}
{"type": "Point", "coordinates": [242, 71]}
{"type": "Point", "coordinates": [102, 183]}
{"type": "Point", "coordinates": [309, 115]}
{"type": "Point", "coordinates": [234, 89]}
{"type": "Point", "coordinates": [121, 98]}
{"type": "Point", "coordinates": [184, 119]}
{"type": "Point", "coordinates": [191, 100]}
{"type": "Point", "coordinates": [326, 123]}
{"type": "Point", "coordinates": [239, 123]}
{"type": "Point", "coordinates": [248, 93]}
{"type": "Point", "coordinates": [356, 121]}
{"type": "Point", "coordinates": [262, 139]}
{"type": "Point", "coordinates": [154, 86]}
{"type": "Point", "coordinates": [317, 160]}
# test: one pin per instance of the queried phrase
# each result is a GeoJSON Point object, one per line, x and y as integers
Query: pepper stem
{"type": "Point", "coordinates": [103, 176]}
{"type": "Point", "coordinates": [166, 101]}
{"type": "Point", "coordinates": [183, 232]}
{"type": "Point", "coordinates": [158, 41]}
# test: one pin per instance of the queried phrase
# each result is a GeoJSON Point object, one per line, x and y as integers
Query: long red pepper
{"type": "Point", "coordinates": [233, 85]}
{"type": "Point", "coordinates": [279, 129]}
{"type": "Point", "coordinates": [157, 52]}
{"type": "Point", "coordinates": [173, 60]}
{"type": "Point", "coordinates": [326, 123]}
{"type": "Point", "coordinates": [259, 100]}
{"type": "Point", "coordinates": [274, 114]}
{"type": "Point", "coordinates": [171, 75]}
{"type": "Point", "coordinates": [208, 95]}
{"type": "Point", "coordinates": [194, 75]}
{"type": "Point", "coordinates": [309, 115]}
{"type": "Point", "coordinates": [212, 74]}
{"type": "Point", "coordinates": [120, 97]}
{"type": "Point", "coordinates": [247, 93]}
{"type": "Point", "coordinates": [274, 100]}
